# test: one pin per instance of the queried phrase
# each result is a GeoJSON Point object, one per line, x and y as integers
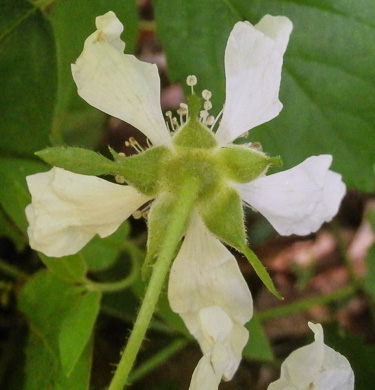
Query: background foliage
{"type": "Point", "coordinates": [328, 92]}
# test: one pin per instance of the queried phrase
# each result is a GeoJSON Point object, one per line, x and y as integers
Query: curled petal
{"type": "Point", "coordinates": [298, 200]}
{"type": "Point", "coordinates": [315, 366]}
{"type": "Point", "coordinates": [68, 209]}
{"type": "Point", "coordinates": [119, 84]}
{"type": "Point", "coordinates": [253, 61]}
{"type": "Point", "coordinates": [208, 291]}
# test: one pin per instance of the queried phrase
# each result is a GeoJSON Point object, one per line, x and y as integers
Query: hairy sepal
{"type": "Point", "coordinates": [222, 213]}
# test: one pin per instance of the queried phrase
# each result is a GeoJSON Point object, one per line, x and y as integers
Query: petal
{"type": "Point", "coordinates": [204, 274]}
{"type": "Point", "coordinates": [68, 209]}
{"type": "Point", "coordinates": [205, 278]}
{"type": "Point", "coordinates": [299, 200]}
{"type": "Point", "coordinates": [315, 366]}
{"type": "Point", "coordinates": [253, 61]}
{"type": "Point", "coordinates": [119, 84]}
{"type": "Point", "coordinates": [205, 376]}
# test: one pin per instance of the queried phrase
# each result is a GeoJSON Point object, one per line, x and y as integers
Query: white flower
{"type": "Point", "coordinates": [205, 286]}
{"type": "Point", "coordinates": [315, 367]}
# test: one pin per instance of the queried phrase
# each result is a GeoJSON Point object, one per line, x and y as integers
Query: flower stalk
{"type": "Point", "coordinates": [173, 234]}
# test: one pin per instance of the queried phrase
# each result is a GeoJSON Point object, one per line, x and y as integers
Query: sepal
{"type": "Point", "coordinates": [242, 164]}
{"type": "Point", "coordinates": [141, 170]}
{"type": "Point", "coordinates": [223, 215]}
{"type": "Point", "coordinates": [78, 160]}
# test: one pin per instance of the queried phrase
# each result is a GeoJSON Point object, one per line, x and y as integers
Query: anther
{"type": "Point", "coordinates": [210, 120]}
{"type": "Point", "coordinates": [191, 81]}
{"type": "Point", "coordinates": [119, 179]}
{"type": "Point", "coordinates": [206, 94]}
{"type": "Point", "coordinates": [134, 144]}
{"type": "Point", "coordinates": [137, 214]}
{"type": "Point", "coordinates": [207, 105]}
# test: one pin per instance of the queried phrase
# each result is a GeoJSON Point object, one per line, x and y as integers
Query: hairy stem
{"type": "Point", "coordinates": [175, 230]}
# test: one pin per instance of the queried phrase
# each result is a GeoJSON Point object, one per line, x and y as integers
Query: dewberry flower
{"type": "Point", "coordinates": [205, 287]}
{"type": "Point", "coordinates": [315, 367]}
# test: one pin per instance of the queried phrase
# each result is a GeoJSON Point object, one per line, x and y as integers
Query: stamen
{"type": "Point", "coordinates": [203, 116]}
{"type": "Point", "coordinates": [137, 214]}
{"type": "Point", "coordinates": [120, 179]}
{"type": "Point", "coordinates": [217, 118]}
{"type": "Point", "coordinates": [134, 144]}
{"type": "Point", "coordinates": [206, 94]}
{"type": "Point", "coordinates": [207, 105]}
{"type": "Point", "coordinates": [191, 81]}
{"type": "Point", "coordinates": [168, 114]}
{"type": "Point", "coordinates": [175, 123]}
{"type": "Point", "coordinates": [210, 120]}
{"type": "Point", "coordinates": [142, 213]}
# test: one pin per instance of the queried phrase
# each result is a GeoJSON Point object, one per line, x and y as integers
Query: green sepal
{"type": "Point", "coordinates": [260, 270]}
{"type": "Point", "coordinates": [242, 164]}
{"type": "Point", "coordinates": [141, 170]}
{"type": "Point", "coordinates": [78, 160]}
{"type": "Point", "coordinates": [223, 215]}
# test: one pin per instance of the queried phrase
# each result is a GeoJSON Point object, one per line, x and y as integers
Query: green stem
{"type": "Point", "coordinates": [120, 284]}
{"type": "Point", "coordinates": [182, 208]}
{"type": "Point", "coordinates": [295, 307]}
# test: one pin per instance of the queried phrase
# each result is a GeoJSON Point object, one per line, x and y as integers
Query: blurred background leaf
{"type": "Point", "coordinates": [47, 303]}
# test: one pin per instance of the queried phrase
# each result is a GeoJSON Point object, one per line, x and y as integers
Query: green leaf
{"type": "Point", "coordinates": [77, 328]}
{"type": "Point", "coordinates": [101, 253]}
{"type": "Point", "coordinates": [370, 260]}
{"type": "Point", "coordinates": [9, 230]}
{"type": "Point", "coordinates": [28, 83]}
{"type": "Point", "coordinates": [361, 356]}
{"type": "Point", "coordinates": [70, 269]}
{"type": "Point", "coordinates": [14, 196]}
{"type": "Point", "coordinates": [75, 121]}
{"type": "Point", "coordinates": [47, 301]}
{"type": "Point", "coordinates": [258, 346]}
{"type": "Point", "coordinates": [328, 82]}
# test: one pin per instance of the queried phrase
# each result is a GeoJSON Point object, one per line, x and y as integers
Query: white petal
{"type": "Point", "coordinates": [205, 278]}
{"type": "Point", "coordinates": [119, 84]}
{"type": "Point", "coordinates": [68, 209]}
{"type": "Point", "coordinates": [298, 200]}
{"type": "Point", "coordinates": [253, 62]}
{"type": "Point", "coordinates": [204, 376]}
{"type": "Point", "coordinates": [315, 366]}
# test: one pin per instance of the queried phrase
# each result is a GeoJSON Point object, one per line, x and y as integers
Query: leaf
{"type": "Point", "coordinates": [101, 253]}
{"type": "Point", "coordinates": [361, 356]}
{"type": "Point", "coordinates": [328, 83]}
{"type": "Point", "coordinates": [370, 259]}
{"type": "Point", "coordinates": [75, 121]}
{"type": "Point", "coordinates": [14, 196]}
{"type": "Point", "coordinates": [258, 346]}
{"type": "Point", "coordinates": [28, 85]}
{"type": "Point", "coordinates": [70, 269]}
{"type": "Point", "coordinates": [47, 301]}
{"type": "Point", "coordinates": [77, 328]}
{"type": "Point", "coordinates": [9, 230]}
